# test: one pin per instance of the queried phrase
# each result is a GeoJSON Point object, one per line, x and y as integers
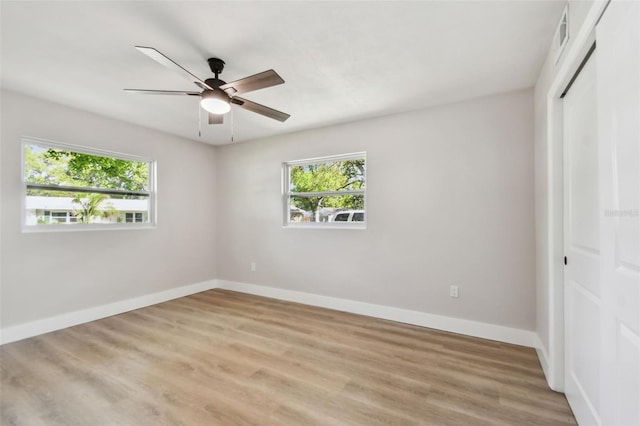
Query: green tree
{"type": "Point", "coordinates": [90, 207]}
{"type": "Point", "coordinates": [40, 168]}
{"type": "Point", "coordinates": [323, 177]}
{"type": "Point", "coordinates": [68, 168]}
{"type": "Point", "coordinates": [89, 170]}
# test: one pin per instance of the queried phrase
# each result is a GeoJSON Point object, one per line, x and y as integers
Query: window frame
{"type": "Point", "coordinates": [72, 226]}
{"type": "Point", "coordinates": [286, 192]}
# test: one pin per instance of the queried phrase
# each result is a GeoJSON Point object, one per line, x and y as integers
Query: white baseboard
{"type": "Point", "coordinates": [46, 325]}
{"type": "Point", "coordinates": [543, 357]}
{"type": "Point", "coordinates": [547, 368]}
{"type": "Point", "coordinates": [439, 322]}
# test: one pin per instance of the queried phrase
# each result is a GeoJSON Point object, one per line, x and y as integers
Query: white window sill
{"type": "Point", "coordinates": [28, 229]}
{"type": "Point", "coordinates": [327, 225]}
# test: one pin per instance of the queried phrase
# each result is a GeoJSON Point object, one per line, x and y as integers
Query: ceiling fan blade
{"type": "Point", "coordinates": [255, 82]}
{"type": "Point", "coordinates": [216, 118]}
{"type": "Point", "coordinates": [161, 92]}
{"type": "Point", "coordinates": [163, 60]}
{"type": "Point", "coordinates": [260, 109]}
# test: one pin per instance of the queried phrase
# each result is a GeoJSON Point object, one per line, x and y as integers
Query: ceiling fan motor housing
{"type": "Point", "coordinates": [214, 82]}
{"type": "Point", "coordinates": [216, 65]}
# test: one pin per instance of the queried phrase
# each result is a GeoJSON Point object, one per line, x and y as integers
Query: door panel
{"type": "Point", "coordinates": [580, 111]}
{"type": "Point", "coordinates": [628, 378]}
{"type": "Point", "coordinates": [618, 67]}
{"type": "Point", "coordinates": [583, 305]}
{"type": "Point", "coordinates": [584, 320]}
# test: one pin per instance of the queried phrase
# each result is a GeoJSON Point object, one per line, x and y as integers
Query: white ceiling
{"type": "Point", "coordinates": [342, 61]}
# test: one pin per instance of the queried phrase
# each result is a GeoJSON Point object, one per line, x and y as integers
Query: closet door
{"type": "Point", "coordinates": [618, 90]}
{"type": "Point", "coordinates": [582, 289]}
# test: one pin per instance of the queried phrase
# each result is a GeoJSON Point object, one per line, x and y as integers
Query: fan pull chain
{"type": "Point", "coordinates": [231, 125]}
{"type": "Point", "coordinates": [199, 122]}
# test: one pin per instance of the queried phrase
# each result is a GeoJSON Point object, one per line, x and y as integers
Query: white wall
{"type": "Point", "coordinates": [53, 273]}
{"type": "Point", "coordinates": [450, 201]}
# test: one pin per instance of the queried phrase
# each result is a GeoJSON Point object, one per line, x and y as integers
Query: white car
{"type": "Point", "coordinates": [349, 216]}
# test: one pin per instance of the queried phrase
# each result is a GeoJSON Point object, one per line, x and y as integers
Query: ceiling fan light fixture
{"type": "Point", "coordinates": [215, 102]}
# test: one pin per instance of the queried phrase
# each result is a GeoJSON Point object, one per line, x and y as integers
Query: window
{"type": "Point", "coordinates": [325, 191]}
{"type": "Point", "coordinates": [60, 217]}
{"type": "Point", "coordinates": [84, 188]}
{"type": "Point", "coordinates": [133, 217]}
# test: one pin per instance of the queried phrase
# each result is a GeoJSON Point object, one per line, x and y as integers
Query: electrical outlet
{"type": "Point", "coordinates": [253, 266]}
{"type": "Point", "coordinates": [453, 291]}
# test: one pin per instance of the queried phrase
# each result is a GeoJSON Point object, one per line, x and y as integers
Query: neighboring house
{"type": "Point", "coordinates": [296, 214]}
{"type": "Point", "coordinates": [63, 210]}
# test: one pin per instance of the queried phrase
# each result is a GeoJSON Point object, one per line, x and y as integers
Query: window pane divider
{"type": "Point", "coordinates": [90, 190]}
{"type": "Point", "coordinates": [326, 193]}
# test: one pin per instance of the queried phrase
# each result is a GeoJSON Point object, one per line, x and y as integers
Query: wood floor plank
{"type": "Point", "coordinates": [227, 358]}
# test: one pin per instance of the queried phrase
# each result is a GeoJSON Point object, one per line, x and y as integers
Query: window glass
{"type": "Point", "coordinates": [74, 185]}
{"type": "Point", "coordinates": [134, 217]}
{"type": "Point", "coordinates": [342, 217]}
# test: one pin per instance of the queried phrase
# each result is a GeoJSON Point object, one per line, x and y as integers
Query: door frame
{"type": "Point", "coordinates": [553, 361]}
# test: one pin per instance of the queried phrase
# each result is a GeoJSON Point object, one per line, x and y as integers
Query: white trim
{"type": "Point", "coordinates": [85, 227]}
{"type": "Point", "coordinates": [357, 226]}
{"type": "Point", "coordinates": [543, 357]}
{"type": "Point", "coordinates": [47, 143]}
{"type": "Point", "coordinates": [335, 157]}
{"type": "Point", "coordinates": [423, 319]}
{"type": "Point", "coordinates": [555, 280]}
{"type": "Point", "coordinates": [46, 325]}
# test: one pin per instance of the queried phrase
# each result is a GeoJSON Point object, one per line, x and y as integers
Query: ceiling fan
{"type": "Point", "coordinates": [217, 95]}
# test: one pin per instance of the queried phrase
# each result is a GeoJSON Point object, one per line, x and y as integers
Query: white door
{"type": "Point", "coordinates": [618, 68]}
{"type": "Point", "coordinates": [582, 292]}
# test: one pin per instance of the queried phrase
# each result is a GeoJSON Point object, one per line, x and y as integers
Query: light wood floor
{"type": "Point", "coordinates": [225, 358]}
